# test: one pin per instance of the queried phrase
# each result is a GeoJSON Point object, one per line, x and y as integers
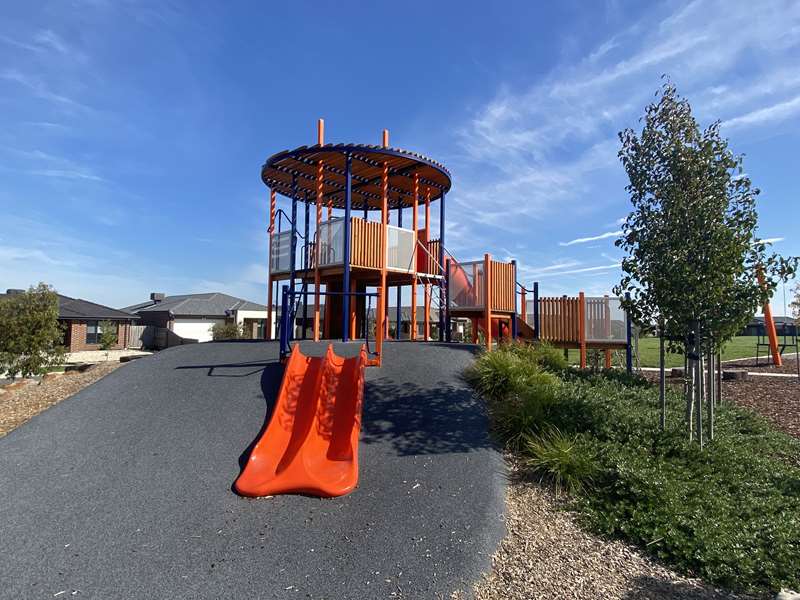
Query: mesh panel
{"type": "Point", "coordinates": [281, 252]}
{"type": "Point", "coordinates": [467, 284]}
{"type": "Point", "coordinates": [400, 255]}
{"type": "Point", "coordinates": [605, 320]}
{"type": "Point", "coordinates": [331, 242]}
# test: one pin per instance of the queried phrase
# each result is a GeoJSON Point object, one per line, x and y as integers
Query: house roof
{"type": "Point", "coordinates": [212, 304]}
{"type": "Point", "coordinates": [79, 309]}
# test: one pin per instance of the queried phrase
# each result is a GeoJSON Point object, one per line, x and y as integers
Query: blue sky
{"type": "Point", "coordinates": [132, 133]}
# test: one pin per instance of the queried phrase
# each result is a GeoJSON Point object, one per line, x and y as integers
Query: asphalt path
{"type": "Point", "coordinates": [124, 490]}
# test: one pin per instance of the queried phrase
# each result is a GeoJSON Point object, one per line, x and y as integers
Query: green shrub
{"type": "Point", "coordinates": [729, 513]}
{"type": "Point", "coordinates": [496, 375]}
{"type": "Point", "coordinates": [540, 353]}
{"type": "Point", "coordinates": [565, 459]}
{"type": "Point", "coordinates": [527, 410]}
{"type": "Point", "coordinates": [226, 331]}
{"type": "Point", "coordinates": [550, 358]}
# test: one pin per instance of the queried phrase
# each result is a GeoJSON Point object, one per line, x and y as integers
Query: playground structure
{"type": "Point", "coordinates": [354, 262]}
{"type": "Point", "coordinates": [311, 443]}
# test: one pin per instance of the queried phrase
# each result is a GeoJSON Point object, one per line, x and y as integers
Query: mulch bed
{"type": "Point", "coordinates": [775, 398]}
{"type": "Point", "coordinates": [21, 404]}
{"type": "Point", "coordinates": [546, 554]}
{"type": "Point", "coordinates": [764, 365]}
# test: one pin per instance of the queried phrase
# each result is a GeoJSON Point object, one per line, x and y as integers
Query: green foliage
{"type": "Point", "coordinates": [497, 374]}
{"type": "Point", "coordinates": [691, 244]}
{"type": "Point", "coordinates": [729, 514]}
{"type": "Point", "coordinates": [226, 331]}
{"type": "Point", "coordinates": [526, 409]}
{"type": "Point", "coordinates": [31, 337]}
{"type": "Point", "coordinates": [108, 335]}
{"type": "Point", "coordinates": [567, 460]}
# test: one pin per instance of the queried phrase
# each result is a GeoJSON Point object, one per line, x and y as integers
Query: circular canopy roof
{"type": "Point", "coordinates": [366, 171]}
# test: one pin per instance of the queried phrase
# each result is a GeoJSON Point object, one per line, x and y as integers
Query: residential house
{"type": "Point", "coordinates": [83, 322]}
{"type": "Point", "coordinates": [191, 316]}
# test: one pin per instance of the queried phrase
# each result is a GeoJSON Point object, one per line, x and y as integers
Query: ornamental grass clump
{"type": "Point", "coordinates": [566, 460]}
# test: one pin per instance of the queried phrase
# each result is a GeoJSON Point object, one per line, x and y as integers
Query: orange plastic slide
{"type": "Point", "coordinates": [311, 443]}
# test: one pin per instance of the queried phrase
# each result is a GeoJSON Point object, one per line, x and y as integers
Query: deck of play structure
{"type": "Point", "coordinates": [353, 261]}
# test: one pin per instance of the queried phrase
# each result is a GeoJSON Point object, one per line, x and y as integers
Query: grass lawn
{"type": "Point", "coordinates": [729, 513]}
{"type": "Point", "coordinates": [743, 346]}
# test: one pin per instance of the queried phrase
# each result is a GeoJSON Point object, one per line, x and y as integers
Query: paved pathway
{"type": "Point", "coordinates": [123, 491]}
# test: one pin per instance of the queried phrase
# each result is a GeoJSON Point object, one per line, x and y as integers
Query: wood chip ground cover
{"type": "Point", "coordinates": [19, 405]}
{"type": "Point", "coordinates": [547, 554]}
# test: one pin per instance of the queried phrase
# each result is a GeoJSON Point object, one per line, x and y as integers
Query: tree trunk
{"type": "Point", "coordinates": [698, 369]}
{"type": "Point", "coordinates": [688, 388]}
{"type": "Point", "coordinates": [710, 395]}
{"type": "Point", "coordinates": [662, 384]}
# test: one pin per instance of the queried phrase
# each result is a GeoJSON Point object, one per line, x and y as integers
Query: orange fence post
{"type": "Point", "coordinates": [582, 327]}
{"type": "Point", "coordinates": [487, 300]}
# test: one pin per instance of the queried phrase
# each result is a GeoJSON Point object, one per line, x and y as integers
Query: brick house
{"type": "Point", "coordinates": [82, 321]}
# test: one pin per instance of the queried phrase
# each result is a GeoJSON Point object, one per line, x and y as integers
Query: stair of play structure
{"type": "Point", "coordinates": [311, 443]}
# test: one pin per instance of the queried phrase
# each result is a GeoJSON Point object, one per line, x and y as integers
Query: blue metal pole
{"type": "Point", "coordinates": [284, 343]}
{"type": "Point", "coordinates": [399, 288]}
{"type": "Point", "coordinates": [293, 254]}
{"type": "Point", "coordinates": [628, 336]}
{"type": "Point", "coordinates": [535, 309]}
{"type": "Point", "coordinates": [306, 264]}
{"type": "Point", "coordinates": [348, 192]}
{"type": "Point", "coordinates": [441, 262]}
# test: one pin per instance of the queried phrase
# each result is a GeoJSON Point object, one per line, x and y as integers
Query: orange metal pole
{"type": "Point", "coordinates": [427, 326]}
{"type": "Point", "coordinates": [320, 132]}
{"type": "Point", "coordinates": [582, 327]}
{"type": "Point", "coordinates": [769, 324]}
{"type": "Point", "coordinates": [487, 300]}
{"type": "Point", "coordinates": [414, 209]}
{"type": "Point", "coordinates": [382, 296]}
{"type": "Point", "coordinates": [270, 230]}
{"type": "Point", "coordinates": [320, 169]}
{"type": "Point", "coordinates": [524, 315]}
{"type": "Point", "coordinates": [385, 139]}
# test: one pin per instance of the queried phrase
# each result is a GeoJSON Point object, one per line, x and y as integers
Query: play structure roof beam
{"type": "Point", "coordinates": [366, 172]}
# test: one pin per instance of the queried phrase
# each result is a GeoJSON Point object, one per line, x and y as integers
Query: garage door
{"type": "Point", "coordinates": [196, 329]}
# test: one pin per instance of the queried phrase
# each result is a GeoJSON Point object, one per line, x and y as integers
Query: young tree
{"type": "Point", "coordinates": [695, 270]}
{"type": "Point", "coordinates": [31, 337]}
{"type": "Point", "coordinates": [108, 335]}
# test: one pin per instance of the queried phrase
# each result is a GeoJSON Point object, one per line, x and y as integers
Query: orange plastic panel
{"type": "Point", "coordinates": [311, 443]}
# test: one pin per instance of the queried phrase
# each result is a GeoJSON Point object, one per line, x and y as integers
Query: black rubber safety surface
{"type": "Point", "coordinates": [124, 490]}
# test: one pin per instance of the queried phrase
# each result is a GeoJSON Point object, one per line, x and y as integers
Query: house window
{"type": "Point", "coordinates": [93, 332]}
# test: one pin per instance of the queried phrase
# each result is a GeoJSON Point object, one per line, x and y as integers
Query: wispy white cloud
{"type": "Point", "coordinates": [772, 240]}
{"type": "Point", "coordinates": [594, 269]}
{"type": "Point", "coordinates": [592, 238]}
{"type": "Point", "coordinates": [769, 114]}
{"type": "Point", "coordinates": [537, 156]}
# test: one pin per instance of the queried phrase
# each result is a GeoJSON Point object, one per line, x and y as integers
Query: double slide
{"type": "Point", "coordinates": [311, 443]}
